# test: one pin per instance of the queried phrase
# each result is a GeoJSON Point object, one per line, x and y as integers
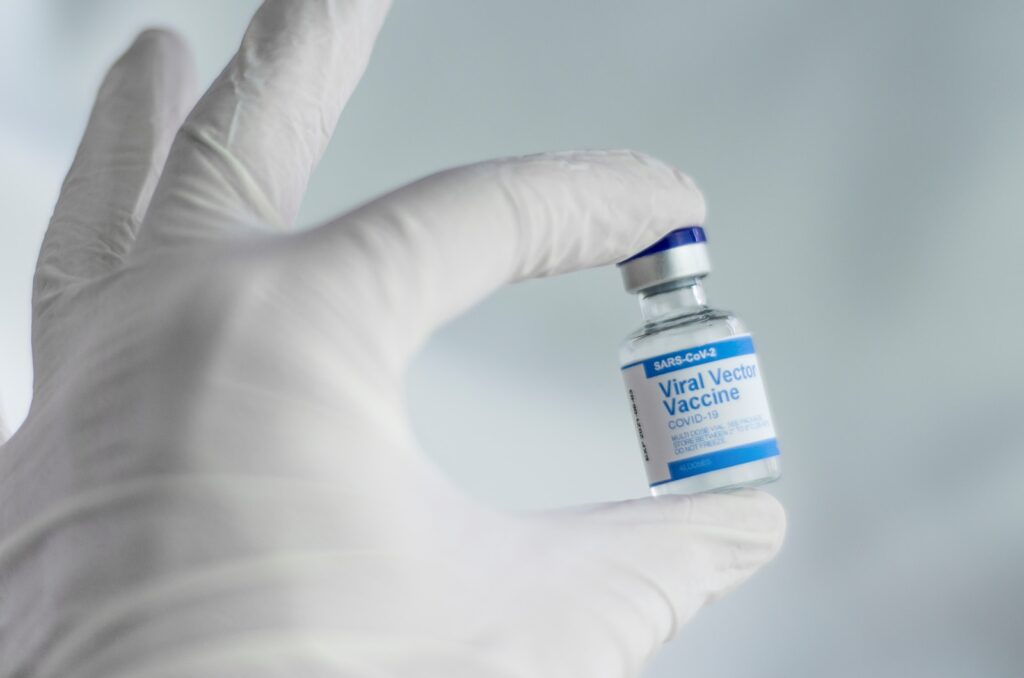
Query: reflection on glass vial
{"type": "Point", "coordinates": [692, 377]}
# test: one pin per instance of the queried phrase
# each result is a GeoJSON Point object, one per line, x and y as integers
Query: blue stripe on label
{"type": "Point", "coordinates": [715, 461]}
{"type": "Point", "coordinates": [697, 355]}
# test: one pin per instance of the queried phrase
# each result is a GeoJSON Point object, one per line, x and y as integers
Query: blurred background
{"type": "Point", "coordinates": [863, 163]}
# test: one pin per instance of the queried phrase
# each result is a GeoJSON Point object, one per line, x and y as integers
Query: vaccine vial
{"type": "Point", "coordinates": [692, 377]}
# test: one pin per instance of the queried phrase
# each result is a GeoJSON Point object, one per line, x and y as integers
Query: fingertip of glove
{"type": "Point", "coordinates": [613, 158]}
{"type": "Point", "coordinates": [160, 39]}
{"type": "Point", "coordinates": [159, 60]}
{"type": "Point", "coordinates": [772, 516]}
{"type": "Point", "coordinates": [676, 199]}
{"type": "Point", "coordinates": [648, 162]}
{"type": "Point", "coordinates": [748, 510]}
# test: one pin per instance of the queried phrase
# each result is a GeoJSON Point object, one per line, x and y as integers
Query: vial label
{"type": "Point", "coordinates": [700, 409]}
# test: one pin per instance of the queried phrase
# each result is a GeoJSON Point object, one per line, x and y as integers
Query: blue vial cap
{"type": "Point", "coordinates": [688, 235]}
{"type": "Point", "coordinates": [681, 254]}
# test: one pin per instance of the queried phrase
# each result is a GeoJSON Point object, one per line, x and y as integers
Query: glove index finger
{"type": "Point", "coordinates": [439, 245]}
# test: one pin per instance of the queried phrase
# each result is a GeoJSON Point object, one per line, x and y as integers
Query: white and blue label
{"type": "Point", "coordinates": [700, 409]}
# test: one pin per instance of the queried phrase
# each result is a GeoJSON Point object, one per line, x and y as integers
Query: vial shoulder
{"type": "Point", "coordinates": [673, 334]}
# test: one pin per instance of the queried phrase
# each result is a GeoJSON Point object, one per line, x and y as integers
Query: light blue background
{"type": "Point", "coordinates": [864, 166]}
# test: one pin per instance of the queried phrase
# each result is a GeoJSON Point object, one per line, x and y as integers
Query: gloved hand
{"type": "Point", "coordinates": [217, 474]}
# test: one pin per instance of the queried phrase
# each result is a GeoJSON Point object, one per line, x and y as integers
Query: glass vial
{"type": "Point", "coordinates": [692, 377]}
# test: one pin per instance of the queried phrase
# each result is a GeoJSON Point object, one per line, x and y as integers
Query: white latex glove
{"type": "Point", "coordinates": [217, 475]}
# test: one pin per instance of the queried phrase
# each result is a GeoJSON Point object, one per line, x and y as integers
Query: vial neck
{"type": "Point", "coordinates": [677, 298]}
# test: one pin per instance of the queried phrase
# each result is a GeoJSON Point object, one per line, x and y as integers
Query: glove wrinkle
{"type": "Point", "coordinates": [218, 474]}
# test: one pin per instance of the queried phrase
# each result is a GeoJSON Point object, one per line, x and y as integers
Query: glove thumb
{"type": "Point", "coordinates": [661, 559]}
